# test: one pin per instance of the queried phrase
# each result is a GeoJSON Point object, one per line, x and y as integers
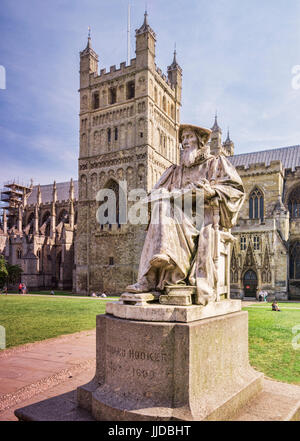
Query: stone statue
{"type": "Point", "coordinates": [182, 253]}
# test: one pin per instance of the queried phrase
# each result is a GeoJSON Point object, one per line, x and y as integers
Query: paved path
{"type": "Point", "coordinates": [31, 369]}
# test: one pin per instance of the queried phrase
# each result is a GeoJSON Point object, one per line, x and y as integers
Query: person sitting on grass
{"type": "Point", "coordinates": [275, 306]}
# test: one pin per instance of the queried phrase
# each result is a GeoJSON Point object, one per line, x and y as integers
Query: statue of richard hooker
{"type": "Point", "coordinates": [182, 252]}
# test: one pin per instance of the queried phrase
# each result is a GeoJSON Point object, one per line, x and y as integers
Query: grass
{"type": "Point", "coordinates": [33, 318]}
{"type": "Point", "coordinates": [56, 292]}
{"type": "Point", "coordinates": [270, 341]}
{"type": "Point", "coordinates": [282, 305]}
{"type": "Point", "coordinates": [29, 319]}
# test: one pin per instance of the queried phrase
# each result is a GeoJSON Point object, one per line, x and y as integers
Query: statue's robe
{"type": "Point", "coordinates": [189, 246]}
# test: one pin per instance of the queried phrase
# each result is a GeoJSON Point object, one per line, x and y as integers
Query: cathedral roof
{"type": "Point", "coordinates": [62, 189]}
{"type": "Point", "coordinates": [289, 156]}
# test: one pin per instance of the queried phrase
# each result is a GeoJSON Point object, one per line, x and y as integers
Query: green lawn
{"type": "Point", "coordinates": [29, 319]}
{"type": "Point", "coordinates": [56, 292]}
{"type": "Point", "coordinates": [32, 318]}
{"type": "Point", "coordinates": [270, 341]}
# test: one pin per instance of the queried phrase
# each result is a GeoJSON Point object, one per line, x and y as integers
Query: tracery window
{"type": "Point", "coordinates": [109, 135]}
{"type": "Point", "coordinates": [256, 242]}
{"type": "Point", "coordinates": [295, 260]}
{"type": "Point", "coordinates": [243, 243]}
{"type": "Point", "coordinates": [112, 95]}
{"type": "Point", "coordinates": [130, 90]}
{"type": "Point", "coordinates": [256, 204]}
{"type": "Point", "coordinates": [96, 100]}
{"type": "Point", "coordinates": [294, 203]}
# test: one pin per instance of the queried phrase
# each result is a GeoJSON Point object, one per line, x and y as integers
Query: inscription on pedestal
{"type": "Point", "coordinates": [147, 365]}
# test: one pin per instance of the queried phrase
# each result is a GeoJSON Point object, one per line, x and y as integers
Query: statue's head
{"type": "Point", "coordinates": [194, 141]}
{"type": "Point", "coordinates": [190, 134]}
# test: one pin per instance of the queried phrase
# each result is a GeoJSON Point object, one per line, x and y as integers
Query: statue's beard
{"type": "Point", "coordinates": [193, 155]}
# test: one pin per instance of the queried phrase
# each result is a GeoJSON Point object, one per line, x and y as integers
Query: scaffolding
{"type": "Point", "coordinates": [13, 195]}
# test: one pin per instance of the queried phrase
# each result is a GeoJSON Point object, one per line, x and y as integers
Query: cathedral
{"type": "Point", "coordinates": [129, 121]}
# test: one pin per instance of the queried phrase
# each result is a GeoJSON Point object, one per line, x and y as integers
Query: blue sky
{"type": "Point", "coordinates": [236, 57]}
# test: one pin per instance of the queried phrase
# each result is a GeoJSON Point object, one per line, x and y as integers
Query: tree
{"type": "Point", "coordinates": [14, 273]}
{"type": "Point", "coordinates": [3, 272]}
{"type": "Point", "coordinates": [9, 273]}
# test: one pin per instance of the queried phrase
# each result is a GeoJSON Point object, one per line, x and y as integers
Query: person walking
{"type": "Point", "coordinates": [20, 288]}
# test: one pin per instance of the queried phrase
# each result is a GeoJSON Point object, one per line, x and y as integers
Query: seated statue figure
{"type": "Point", "coordinates": [182, 253]}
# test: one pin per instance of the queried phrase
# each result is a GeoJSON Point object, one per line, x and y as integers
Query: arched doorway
{"type": "Point", "coordinates": [250, 283]}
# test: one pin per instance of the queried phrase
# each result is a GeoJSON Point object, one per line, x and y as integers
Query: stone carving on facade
{"type": "Point", "coordinates": [177, 253]}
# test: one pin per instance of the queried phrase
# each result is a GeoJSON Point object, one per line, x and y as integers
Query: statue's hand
{"type": "Point", "coordinates": [209, 192]}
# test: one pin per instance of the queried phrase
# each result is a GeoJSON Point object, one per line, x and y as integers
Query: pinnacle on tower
{"type": "Point", "coordinates": [145, 27]}
{"type": "Point", "coordinates": [174, 64]}
{"type": "Point", "coordinates": [228, 145]}
{"type": "Point", "coordinates": [228, 140]}
{"type": "Point", "coordinates": [215, 127]}
{"type": "Point", "coordinates": [175, 73]}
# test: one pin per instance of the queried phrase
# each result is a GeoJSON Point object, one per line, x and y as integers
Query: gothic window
{"type": "Point", "coordinates": [19, 254]}
{"type": "Point", "coordinates": [30, 222]}
{"type": "Point", "coordinates": [119, 198]}
{"type": "Point", "coordinates": [83, 186]}
{"type": "Point", "coordinates": [63, 217]}
{"type": "Point", "coordinates": [294, 203]}
{"type": "Point", "coordinates": [256, 242]}
{"type": "Point", "coordinates": [109, 135]}
{"type": "Point", "coordinates": [172, 111]}
{"type": "Point", "coordinates": [256, 205]}
{"type": "Point", "coordinates": [130, 90]}
{"type": "Point", "coordinates": [84, 102]}
{"type": "Point", "coordinates": [112, 95]}
{"type": "Point", "coordinates": [96, 100]}
{"type": "Point", "coordinates": [295, 260]}
{"type": "Point", "coordinates": [243, 243]}
{"type": "Point", "coordinates": [155, 94]}
{"type": "Point", "coordinates": [111, 261]}
{"type": "Point", "coordinates": [45, 228]}
{"type": "Point", "coordinates": [116, 133]}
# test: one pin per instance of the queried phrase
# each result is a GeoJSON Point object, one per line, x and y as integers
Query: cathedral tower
{"type": "Point", "coordinates": [129, 120]}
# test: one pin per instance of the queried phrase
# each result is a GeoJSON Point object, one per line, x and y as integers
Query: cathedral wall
{"type": "Point", "coordinates": [260, 244]}
{"type": "Point", "coordinates": [269, 179]}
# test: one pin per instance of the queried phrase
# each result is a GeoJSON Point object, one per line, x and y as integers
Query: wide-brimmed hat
{"type": "Point", "coordinates": [201, 131]}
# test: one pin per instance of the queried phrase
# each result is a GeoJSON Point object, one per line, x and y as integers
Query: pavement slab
{"type": "Point", "coordinates": [30, 369]}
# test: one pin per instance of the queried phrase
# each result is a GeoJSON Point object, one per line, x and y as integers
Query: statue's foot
{"type": "Point", "coordinates": [137, 288]}
{"type": "Point", "coordinates": [160, 260]}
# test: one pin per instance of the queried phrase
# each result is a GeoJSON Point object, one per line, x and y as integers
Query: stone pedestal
{"type": "Point", "coordinates": [170, 370]}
